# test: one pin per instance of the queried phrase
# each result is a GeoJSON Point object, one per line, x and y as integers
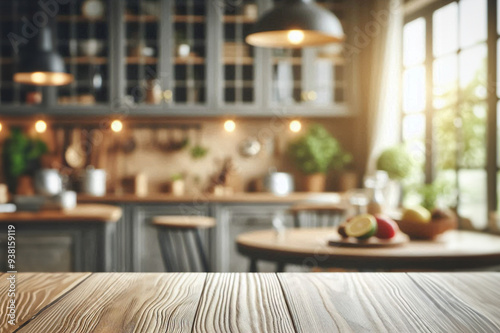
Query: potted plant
{"type": "Point", "coordinates": [178, 186]}
{"type": "Point", "coordinates": [314, 154]}
{"type": "Point", "coordinates": [21, 157]}
{"type": "Point", "coordinates": [397, 162]}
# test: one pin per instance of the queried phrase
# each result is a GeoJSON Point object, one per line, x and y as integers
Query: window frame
{"type": "Point", "coordinates": [491, 100]}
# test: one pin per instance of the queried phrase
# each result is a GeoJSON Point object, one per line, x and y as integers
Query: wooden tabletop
{"type": "Point", "coordinates": [452, 250]}
{"type": "Point", "coordinates": [81, 213]}
{"type": "Point", "coordinates": [232, 302]}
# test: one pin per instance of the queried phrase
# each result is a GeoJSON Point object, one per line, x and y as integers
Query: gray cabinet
{"type": "Point", "coordinates": [181, 58]}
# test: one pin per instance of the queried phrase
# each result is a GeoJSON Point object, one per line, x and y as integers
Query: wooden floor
{"type": "Point", "coordinates": [290, 302]}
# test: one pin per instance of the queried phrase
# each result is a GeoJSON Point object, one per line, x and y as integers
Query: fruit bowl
{"type": "Point", "coordinates": [430, 230]}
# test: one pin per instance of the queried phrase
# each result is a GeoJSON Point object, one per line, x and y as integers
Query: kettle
{"type": "Point", "coordinates": [278, 183]}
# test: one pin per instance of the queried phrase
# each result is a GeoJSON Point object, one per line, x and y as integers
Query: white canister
{"type": "Point", "coordinates": [94, 182]}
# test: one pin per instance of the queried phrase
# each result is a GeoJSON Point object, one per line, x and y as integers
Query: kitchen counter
{"type": "Point", "coordinates": [89, 228]}
{"type": "Point", "coordinates": [290, 302]}
{"type": "Point", "coordinates": [250, 197]}
{"type": "Point", "coordinates": [81, 213]}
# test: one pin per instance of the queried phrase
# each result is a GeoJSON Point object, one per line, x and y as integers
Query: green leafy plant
{"type": "Point", "coordinates": [431, 193]}
{"type": "Point", "coordinates": [21, 156]}
{"type": "Point", "coordinates": [317, 151]}
{"type": "Point", "coordinates": [198, 152]}
{"type": "Point", "coordinates": [396, 162]}
{"type": "Point", "coordinates": [177, 176]}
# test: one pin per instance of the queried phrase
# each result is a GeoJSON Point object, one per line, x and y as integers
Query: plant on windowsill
{"type": "Point", "coordinates": [21, 157]}
{"type": "Point", "coordinates": [316, 152]}
{"type": "Point", "coordinates": [398, 164]}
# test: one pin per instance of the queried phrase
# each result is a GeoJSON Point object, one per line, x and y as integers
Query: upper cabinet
{"type": "Point", "coordinates": [239, 81]}
{"type": "Point", "coordinates": [166, 53]}
{"type": "Point", "coordinates": [179, 57]}
{"type": "Point", "coordinates": [314, 79]}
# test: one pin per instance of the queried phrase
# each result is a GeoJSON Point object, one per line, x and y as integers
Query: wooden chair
{"type": "Point", "coordinates": [315, 215]}
{"type": "Point", "coordinates": [180, 242]}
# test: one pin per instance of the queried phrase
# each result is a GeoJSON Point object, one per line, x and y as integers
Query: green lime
{"type": "Point", "coordinates": [362, 226]}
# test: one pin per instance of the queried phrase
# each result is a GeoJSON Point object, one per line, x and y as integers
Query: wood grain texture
{"type": "Point", "coordinates": [243, 303]}
{"type": "Point", "coordinates": [472, 299]}
{"type": "Point", "coordinates": [114, 302]}
{"type": "Point", "coordinates": [375, 302]}
{"type": "Point", "coordinates": [453, 250]}
{"type": "Point", "coordinates": [34, 291]}
{"type": "Point", "coordinates": [81, 213]}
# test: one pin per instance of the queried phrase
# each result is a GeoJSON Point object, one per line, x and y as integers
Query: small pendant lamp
{"type": "Point", "coordinates": [40, 64]}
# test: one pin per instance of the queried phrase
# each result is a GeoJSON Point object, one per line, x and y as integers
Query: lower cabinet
{"type": "Point", "coordinates": [135, 245]}
{"type": "Point", "coordinates": [41, 253]}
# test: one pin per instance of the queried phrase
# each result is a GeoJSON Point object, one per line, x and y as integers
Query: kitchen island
{"type": "Point", "coordinates": [234, 214]}
{"type": "Point", "coordinates": [80, 239]}
{"type": "Point", "coordinates": [289, 302]}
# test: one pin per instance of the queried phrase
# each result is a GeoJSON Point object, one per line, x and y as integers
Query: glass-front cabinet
{"type": "Point", "coordinates": [238, 61]}
{"type": "Point", "coordinates": [80, 34]}
{"type": "Point", "coordinates": [312, 78]}
{"type": "Point", "coordinates": [166, 53]}
{"type": "Point", "coordinates": [177, 57]}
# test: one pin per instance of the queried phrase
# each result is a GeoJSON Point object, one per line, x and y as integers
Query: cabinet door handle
{"type": "Point", "coordinates": [167, 95]}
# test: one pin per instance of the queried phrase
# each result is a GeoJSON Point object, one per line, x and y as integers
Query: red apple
{"type": "Point", "coordinates": [387, 228]}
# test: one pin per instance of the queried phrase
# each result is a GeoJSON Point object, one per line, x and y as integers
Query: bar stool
{"type": "Point", "coordinates": [315, 215]}
{"type": "Point", "coordinates": [180, 242]}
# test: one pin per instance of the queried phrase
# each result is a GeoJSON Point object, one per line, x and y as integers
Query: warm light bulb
{"type": "Point", "coordinates": [1, 127]}
{"type": "Point", "coordinates": [116, 126]}
{"type": "Point", "coordinates": [295, 126]}
{"type": "Point", "coordinates": [58, 79]}
{"type": "Point", "coordinates": [295, 36]}
{"type": "Point", "coordinates": [40, 126]}
{"type": "Point", "coordinates": [229, 126]}
{"type": "Point", "coordinates": [38, 77]}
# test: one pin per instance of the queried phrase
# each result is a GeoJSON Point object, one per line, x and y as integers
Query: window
{"type": "Point", "coordinates": [445, 109]}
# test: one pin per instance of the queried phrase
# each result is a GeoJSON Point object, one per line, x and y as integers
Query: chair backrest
{"type": "Point", "coordinates": [314, 215]}
{"type": "Point", "coordinates": [180, 241]}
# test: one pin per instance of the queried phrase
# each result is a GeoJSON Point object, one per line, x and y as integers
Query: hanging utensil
{"type": "Point", "coordinates": [74, 155]}
{"type": "Point", "coordinates": [249, 147]}
{"type": "Point", "coordinates": [198, 151]}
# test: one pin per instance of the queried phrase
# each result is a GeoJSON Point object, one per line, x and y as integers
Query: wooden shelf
{"type": "Point", "coordinates": [78, 18]}
{"type": "Point", "coordinates": [189, 18]}
{"type": "Point", "coordinates": [191, 60]}
{"type": "Point", "coordinates": [86, 60]}
{"type": "Point", "coordinates": [141, 60]}
{"type": "Point", "coordinates": [238, 19]}
{"type": "Point", "coordinates": [238, 61]}
{"type": "Point", "coordinates": [140, 18]}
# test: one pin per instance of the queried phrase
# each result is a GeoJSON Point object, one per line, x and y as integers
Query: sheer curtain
{"type": "Point", "coordinates": [382, 104]}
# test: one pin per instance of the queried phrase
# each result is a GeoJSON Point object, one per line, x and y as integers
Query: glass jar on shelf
{"type": "Point", "coordinates": [376, 184]}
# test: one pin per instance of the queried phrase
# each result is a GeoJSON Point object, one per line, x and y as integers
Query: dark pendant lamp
{"type": "Point", "coordinates": [296, 24]}
{"type": "Point", "coordinates": [40, 64]}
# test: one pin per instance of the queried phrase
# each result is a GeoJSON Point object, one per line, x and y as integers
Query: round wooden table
{"type": "Point", "coordinates": [454, 250]}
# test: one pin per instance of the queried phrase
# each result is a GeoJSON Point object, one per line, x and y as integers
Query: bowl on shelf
{"type": "Point", "coordinates": [430, 230]}
{"type": "Point", "coordinates": [90, 47]}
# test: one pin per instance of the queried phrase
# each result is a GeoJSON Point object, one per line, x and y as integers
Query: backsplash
{"type": "Point", "coordinates": [150, 156]}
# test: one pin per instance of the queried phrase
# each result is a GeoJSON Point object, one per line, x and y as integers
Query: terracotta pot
{"type": "Point", "coordinates": [348, 180]}
{"type": "Point", "coordinates": [315, 182]}
{"type": "Point", "coordinates": [25, 186]}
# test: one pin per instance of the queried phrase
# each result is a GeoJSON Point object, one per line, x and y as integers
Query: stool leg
{"type": "Point", "coordinates": [280, 267]}
{"type": "Point", "coordinates": [188, 239]}
{"type": "Point", "coordinates": [253, 266]}
{"type": "Point", "coordinates": [162, 239]}
{"type": "Point", "coordinates": [174, 259]}
{"type": "Point", "coordinates": [201, 251]}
